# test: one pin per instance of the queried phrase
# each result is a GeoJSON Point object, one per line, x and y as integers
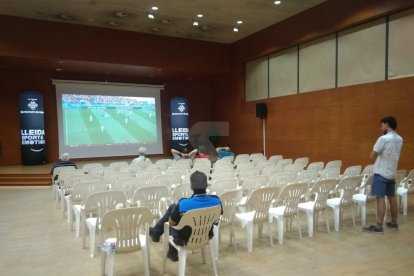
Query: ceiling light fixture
{"type": "Point", "coordinates": [195, 23]}
{"type": "Point", "coordinates": [154, 8]}
{"type": "Point", "coordinates": [278, 2]}
{"type": "Point", "coordinates": [151, 16]}
{"type": "Point", "coordinates": [235, 29]}
{"type": "Point", "coordinates": [199, 15]}
{"type": "Point", "coordinates": [239, 22]}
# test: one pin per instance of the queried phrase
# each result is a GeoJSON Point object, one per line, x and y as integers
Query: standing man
{"type": "Point", "coordinates": [386, 153]}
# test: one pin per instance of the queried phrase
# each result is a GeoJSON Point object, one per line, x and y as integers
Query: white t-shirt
{"type": "Point", "coordinates": [388, 149]}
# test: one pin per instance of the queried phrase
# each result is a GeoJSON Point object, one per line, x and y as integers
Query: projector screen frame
{"type": "Point", "coordinates": [107, 89]}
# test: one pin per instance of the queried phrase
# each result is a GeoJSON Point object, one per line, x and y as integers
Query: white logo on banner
{"type": "Point", "coordinates": [181, 108]}
{"type": "Point", "coordinates": [32, 105]}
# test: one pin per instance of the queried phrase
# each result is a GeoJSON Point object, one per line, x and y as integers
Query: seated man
{"type": "Point", "coordinates": [198, 200]}
{"type": "Point", "coordinates": [141, 156]}
{"type": "Point", "coordinates": [64, 162]}
{"type": "Point", "coordinates": [177, 155]}
{"type": "Point", "coordinates": [224, 151]}
{"type": "Point", "coordinates": [202, 153]}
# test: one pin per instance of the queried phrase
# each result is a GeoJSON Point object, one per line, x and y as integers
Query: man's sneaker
{"type": "Point", "coordinates": [373, 229]}
{"type": "Point", "coordinates": [153, 235]}
{"type": "Point", "coordinates": [392, 225]}
{"type": "Point", "coordinates": [172, 255]}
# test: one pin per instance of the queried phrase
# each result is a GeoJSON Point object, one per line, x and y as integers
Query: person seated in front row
{"type": "Point", "coordinates": [202, 153]}
{"type": "Point", "coordinates": [199, 199]}
{"type": "Point", "coordinates": [64, 162]}
{"type": "Point", "coordinates": [184, 154]}
{"type": "Point", "coordinates": [141, 156]}
{"type": "Point", "coordinates": [224, 151]}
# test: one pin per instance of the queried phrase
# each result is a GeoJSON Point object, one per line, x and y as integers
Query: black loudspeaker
{"type": "Point", "coordinates": [261, 110]}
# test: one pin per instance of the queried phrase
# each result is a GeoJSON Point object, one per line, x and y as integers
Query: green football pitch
{"type": "Point", "coordinates": [109, 126]}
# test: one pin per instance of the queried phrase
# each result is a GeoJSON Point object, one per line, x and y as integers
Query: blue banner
{"type": "Point", "coordinates": [179, 123]}
{"type": "Point", "coordinates": [32, 128]}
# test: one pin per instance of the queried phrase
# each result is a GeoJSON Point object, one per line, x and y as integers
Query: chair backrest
{"type": "Point", "coordinates": [99, 203]}
{"type": "Point", "coordinates": [250, 171]}
{"type": "Point", "coordinates": [181, 191]}
{"type": "Point", "coordinates": [222, 174]}
{"type": "Point", "coordinates": [228, 158]}
{"type": "Point", "coordinates": [399, 176]}
{"type": "Point", "coordinates": [241, 166]}
{"type": "Point", "coordinates": [258, 158]}
{"type": "Point", "coordinates": [260, 200]}
{"type": "Point", "coordinates": [352, 171]}
{"type": "Point", "coordinates": [334, 164]}
{"type": "Point", "coordinates": [367, 188]}
{"type": "Point", "coordinates": [330, 173]}
{"type": "Point", "coordinates": [368, 169]}
{"type": "Point", "coordinates": [200, 221]}
{"type": "Point", "coordinates": [81, 191]}
{"type": "Point", "coordinates": [166, 179]}
{"type": "Point", "coordinates": [254, 182]}
{"type": "Point", "coordinates": [126, 225]}
{"type": "Point", "coordinates": [117, 165]}
{"type": "Point", "coordinates": [229, 201]}
{"type": "Point", "coordinates": [407, 181]}
{"type": "Point", "coordinates": [303, 161]}
{"type": "Point", "coordinates": [322, 189]}
{"type": "Point", "coordinates": [202, 162]}
{"type": "Point", "coordinates": [284, 162]}
{"type": "Point", "coordinates": [241, 158]}
{"type": "Point", "coordinates": [296, 168]}
{"type": "Point", "coordinates": [263, 164]}
{"type": "Point", "coordinates": [223, 185]}
{"type": "Point", "coordinates": [290, 196]}
{"type": "Point", "coordinates": [73, 179]}
{"type": "Point", "coordinates": [63, 170]}
{"type": "Point", "coordinates": [165, 162]}
{"type": "Point", "coordinates": [275, 158]}
{"type": "Point", "coordinates": [347, 187]}
{"type": "Point", "coordinates": [150, 197]}
{"type": "Point", "coordinates": [271, 170]}
{"type": "Point", "coordinates": [282, 179]}
{"type": "Point", "coordinates": [129, 185]}
{"type": "Point", "coordinates": [256, 155]}
{"type": "Point", "coordinates": [315, 166]}
{"type": "Point", "coordinates": [307, 177]}
{"type": "Point", "coordinates": [89, 166]}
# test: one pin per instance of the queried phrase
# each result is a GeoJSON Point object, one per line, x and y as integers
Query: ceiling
{"type": "Point", "coordinates": [173, 18]}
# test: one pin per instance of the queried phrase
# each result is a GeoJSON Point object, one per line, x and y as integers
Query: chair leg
{"type": "Point", "coordinates": [216, 239]}
{"type": "Point", "coordinates": [182, 258]}
{"type": "Point", "coordinates": [404, 199]}
{"type": "Point", "coordinates": [363, 214]}
{"type": "Point", "coordinates": [92, 231]}
{"type": "Point", "coordinates": [271, 232]}
{"type": "Point", "coordinates": [353, 216]}
{"type": "Point", "coordinates": [299, 224]}
{"type": "Point", "coordinates": [103, 263]}
{"type": "Point", "coordinates": [145, 258]}
{"type": "Point", "coordinates": [213, 259]}
{"type": "Point", "coordinates": [110, 258]}
{"type": "Point", "coordinates": [280, 228]}
{"type": "Point", "coordinates": [309, 215]}
{"type": "Point", "coordinates": [249, 230]}
{"type": "Point", "coordinates": [327, 220]}
{"type": "Point", "coordinates": [336, 211]}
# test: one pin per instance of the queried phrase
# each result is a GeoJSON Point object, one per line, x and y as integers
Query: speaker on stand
{"type": "Point", "coordinates": [261, 112]}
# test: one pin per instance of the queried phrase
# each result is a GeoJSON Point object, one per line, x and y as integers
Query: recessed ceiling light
{"type": "Point", "coordinates": [120, 14]}
{"type": "Point", "coordinates": [239, 22]}
{"type": "Point", "coordinates": [59, 69]}
{"type": "Point", "coordinates": [235, 29]}
{"type": "Point", "coordinates": [195, 23]}
{"type": "Point", "coordinates": [151, 16]}
{"type": "Point", "coordinates": [199, 15]}
{"type": "Point", "coordinates": [277, 2]}
{"type": "Point", "coordinates": [113, 23]}
{"type": "Point", "coordinates": [154, 8]}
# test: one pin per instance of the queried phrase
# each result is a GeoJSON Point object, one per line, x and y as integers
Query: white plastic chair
{"type": "Point", "coordinates": [352, 171]}
{"type": "Point", "coordinates": [334, 164]}
{"type": "Point", "coordinates": [89, 166]}
{"type": "Point", "coordinates": [246, 172]}
{"type": "Point", "coordinates": [117, 165]}
{"type": "Point", "coordinates": [282, 179]}
{"type": "Point", "coordinates": [128, 185]}
{"type": "Point", "coordinates": [254, 182]}
{"type": "Point", "coordinates": [128, 229]}
{"type": "Point", "coordinates": [284, 162]}
{"type": "Point", "coordinates": [308, 177]}
{"type": "Point", "coordinates": [271, 170]}
{"type": "Point", "coordinates": [222, 174]}
{"type": "Point", "coordinates": [321, 189]}
{"type": "Point", "coordinates": [296, 168]}
{"type": "Point", "coordinates": [330, 173]}
{"type": "Point", "coordinates": [289, 198]}
{"type": "Point", "coordinates": [96, 205]}
{"type": "Point", "coordinates": [346, 189]}
{"type": "Point", "coordinates": [275, 158]}
{"type": "Point", "coordinates": [406, 187]}
{"type": "Point", "coordinates": [257, 211]}
{"type": "Point", "coordinates": [201, 221]}
{"type": "Point", "coordinates": [242, 158]}
{"type": "Point", "coordinates": [167, 180]}
{"type": "Point", "coordinates": [223, 185]}
{"type": "Point", "coordinates": [368, 170]}
{"type": "Point", "coordinates": [315, 166]}
{"type": "Point", "coordinates": [150, 197]}
{"type": "Point", "coordinates": [303, 161]}
{"type": "Point", "coordinates": [229, 201]}
{"type": "Point", "coordinates": [363, 197]}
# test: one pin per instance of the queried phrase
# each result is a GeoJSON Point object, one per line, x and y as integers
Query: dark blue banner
{"type": "Point", "coordinates": [32, 128]}
{"type": "Point", "coordinates": [179, 123]}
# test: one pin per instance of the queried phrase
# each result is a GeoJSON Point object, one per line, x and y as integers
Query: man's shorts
{"type": "Point", "coordinates": [382, 186]}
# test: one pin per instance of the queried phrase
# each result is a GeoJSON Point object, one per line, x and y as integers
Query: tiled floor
{"type": "Point", "coordinates": [35, 240]}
